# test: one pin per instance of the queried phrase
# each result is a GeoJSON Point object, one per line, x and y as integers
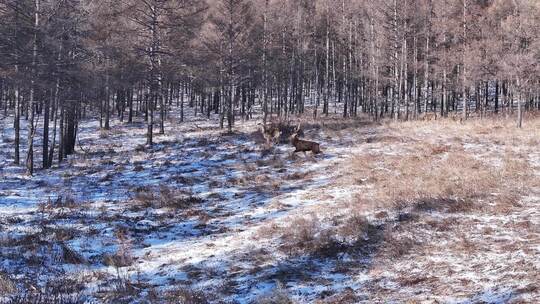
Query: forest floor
{"type": "Point", "coordinates": [410, 212]}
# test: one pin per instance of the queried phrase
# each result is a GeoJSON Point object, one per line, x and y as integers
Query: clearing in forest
{"type": "Point", "coordinates": [430, 212]}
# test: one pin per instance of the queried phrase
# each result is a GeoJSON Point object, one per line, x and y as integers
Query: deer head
{"type": "Point", "coordinates": [294, 137]}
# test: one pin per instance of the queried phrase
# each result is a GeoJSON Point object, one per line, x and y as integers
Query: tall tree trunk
{"type": "Point", "coordinates": [17, 125]}
{"type": "Point", "coordinates": [427, 56]}
{"type": "Point", "coordinates": [55, 114]}
{"type": "Point", "coordinates": [182, 93]}
{"type": "Point", "coordinates": [61, 142]}
{"type": "Point", "coordinates": [464, 69]}
{"type": "Point", "coordinates": [415, 79]}
{"type": "Point", "coordinates": [265, 65]}
{"type": "Point", "coordinates": [161, 116]}
{"type": "Point", "coordinates": [46, 132]}
{"type": "Point", "coordinates": [107, 101]}
{"type": "Point", "coordinates": [327, 76]}
{"type": "Point", "coordinates": [519, 103]}
{"type": "Point", "coordinates": [405, 80]}
{"type": "Point", "coordinates": [130, 96]}
{"type": "Point", "coordinates": [31, 123]}
{"type": "Point", "coordinates": [150, 124]}
{"type": "Point", "coordinates": [496, 96]}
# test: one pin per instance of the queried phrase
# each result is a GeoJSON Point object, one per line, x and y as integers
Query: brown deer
{"type": "Point", "coordinates": [428, 116]}
{"type": "Point", "coordinates": [456, 117]}
{"type": "Point", "coordinates": [304, 145]}
{"type": "Point", "coordinates": [270, 133]}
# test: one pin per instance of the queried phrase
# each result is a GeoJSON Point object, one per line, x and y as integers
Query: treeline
{"type": "Point", "coordinates": [65, 59]}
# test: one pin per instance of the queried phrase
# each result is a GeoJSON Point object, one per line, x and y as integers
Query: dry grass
{"type": "Point", "coordinates": [347, 296]}
{"type": "Point", "coordinates": [417, 185]}
{"type": "Point", "coordinates": [164, 197]}
{"type": "Point", "coordinates": [120, 290]}
{"type": "Point", "coordinates": [498, 129]}
{"type": "Point", "coordinates": [62, 234]}
{"type": "Point", "coordinates": [278, 296]}
{"type": "Point", "coordinates": [60, 202]}
{"type": "Point", "coordinates": [46, 298]}
{"type": "Point", "coordinates": [6, 285]}
{"type": "Point", "coordinates": [180, 294]}
{"type": "Point", "coordinates": [122, 257]}
{"type": "Point", "coordinates": [57, 290]}
{"type": "Point", "coordinates": [475, 174]}
{"type": "Point", "coordinates": [313, 235]}
{"type": "Point", "coordinates": [103, 134]}
{"type": "Point", "coordinates": [437, 172]}
{"type": "Point", "coordinates": [305, 234]}
{"type": "Point", "coordinates": [440, 175]}
{"type": "Point", "coordinates": [70, 256]}
{"type": "Point", "coordinates": [395, 247]}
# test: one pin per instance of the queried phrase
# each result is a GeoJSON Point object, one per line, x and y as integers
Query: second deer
{"type": "Point", "coordinates": [301, 145]}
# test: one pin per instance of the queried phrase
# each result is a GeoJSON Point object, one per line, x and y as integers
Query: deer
{"type": "Point", "coordinates": [271, 134]}
{"type": "Point", "coordinates": [456, 117]}
{"type": "Point", "coordinates": [428, 116]}
{"type": "Point", "coordinates": [301, 145]}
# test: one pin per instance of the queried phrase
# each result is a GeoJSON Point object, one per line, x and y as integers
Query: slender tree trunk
{"type": "Point", "coordinates": [519, 103]}
{"type": "Point", "coordinates": [46, 133]}
{"type": "Point", "coordinates": [496, 96]}
{"type": "Point", "coordinates": [17, 125]}
{"type": "Point", "coordinates": [444, 95]}
{"type": "Point", "coordinates": [265, 67]}
{"type": "Point", "coordinates": [464, 69]}
{"type": "Point", "coordinates": [31, 123]}
{"type": "Point", "coordinates": [150, 124]}
{"type": "Point", "coordinates": [405, 80]}
{"type": "Point", "coordinates": [61, 142]}
{"type": "Point", "coordinates": [130, 96]}
{"type": "Point", "coordinates": [55, 114]}
{"type": "Point", "coordinates": [327, 76]}
{"type": "Point", "coordinates": [427, 56]}
{"type": "Point", "coordinates": [182, 93]}
{"type": "Point", "coordinates": [161, 116]}
{"type": "Point", "coordinates": [107, 106]}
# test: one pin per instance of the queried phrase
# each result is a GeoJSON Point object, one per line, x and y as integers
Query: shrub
{"type": "Point", "coordinates": [6, 285]}
{"type": "Point", "coordinates": [186, 295]}
{"type": "Point", "coordinates": [312, 235]}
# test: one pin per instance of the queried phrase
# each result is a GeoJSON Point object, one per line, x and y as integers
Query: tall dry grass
{"type": "Point", "coordinates": [458, 176]}
{"type": "Point", "coordinates": [440, 166]}
{"type": "Point", "coordinates": [477, 166]}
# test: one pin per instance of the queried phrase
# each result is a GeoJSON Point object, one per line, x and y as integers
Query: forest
{"type": "Point", "coordinates": [269, 151]}
{"type": "Point", "coordinates": [63, 60]}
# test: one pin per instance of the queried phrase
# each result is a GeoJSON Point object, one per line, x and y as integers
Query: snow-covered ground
{"type": "Point", "coordinates": [208, 215]}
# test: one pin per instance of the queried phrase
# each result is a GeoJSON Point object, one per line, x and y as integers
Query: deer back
{"type": "Point", "coordinates": [305, 145]}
